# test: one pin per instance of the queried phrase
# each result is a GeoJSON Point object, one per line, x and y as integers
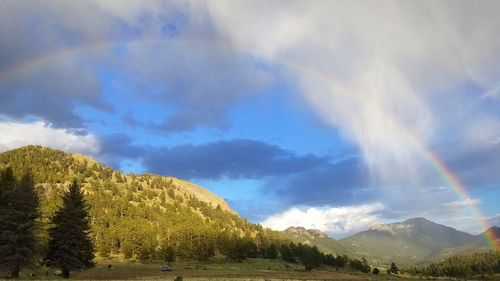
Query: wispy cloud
{"type": "Point", "coordinates": [463, 203]}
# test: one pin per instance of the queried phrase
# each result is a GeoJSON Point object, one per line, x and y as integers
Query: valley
{"type": "Point", "coordinates": [136, 218]}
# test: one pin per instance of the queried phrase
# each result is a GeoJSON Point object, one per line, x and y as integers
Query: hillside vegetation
{"type": "Point", "coordinates": [460, 266]}
{"type": "Point", "coordinates": [139, 216]}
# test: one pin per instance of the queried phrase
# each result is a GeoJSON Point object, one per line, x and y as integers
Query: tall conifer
{"type": "Point", "coordinates": [19, 212]}
{"type": "Point", "coordinates": [70, 247]}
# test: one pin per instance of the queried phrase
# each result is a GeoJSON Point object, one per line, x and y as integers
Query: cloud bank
{"type": "Point", "coordinates": [239, 158]}
{"type": "Point", "coordinates": [336, 221]}
{"type": "Point", "coordinates": [15, 134]}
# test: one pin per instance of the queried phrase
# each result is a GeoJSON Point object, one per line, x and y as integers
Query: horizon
{"type": "Point", "coordinates": [325, 116]}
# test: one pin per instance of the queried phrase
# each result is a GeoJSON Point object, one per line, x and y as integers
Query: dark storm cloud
{"type": "Point", "coordinates": [343, 182]}
{"type": "Point", "coordinates": [233, 159]}
{"type": "Point", "coordinates": [118, 147]}
{"type": "Point", "coordinates": [290, 178]}
{"type": "Point", "coordinates": [477, 167]}
{"type": "Point", "coordinates": [48, 65]}
{"type": "Point", "coordinates": [121, 145]}
{"type": "Point", "coordinates": [52, 95]}
{"type": "Point", "coordinates": [34, 79]}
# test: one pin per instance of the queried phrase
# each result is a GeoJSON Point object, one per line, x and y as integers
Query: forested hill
{"type": "Point", "coordinates": [138, 216]}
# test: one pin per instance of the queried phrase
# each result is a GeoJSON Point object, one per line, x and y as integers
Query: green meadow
{"type": "Point", "coordinates": [218, 270]}
{"type": "Point", "coordinates": [214, 269]}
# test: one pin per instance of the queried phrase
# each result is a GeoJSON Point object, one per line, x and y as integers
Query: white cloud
{"type": "Point", "coordinates": [483, 131]}
{"type": "Point", "coordinates": [336, 221]}
{"type": "Point", "coordinates": [16, 134]}
{"type": "Point", "coordinates": [465, 202]}
{"type": "Point", "coordinates": [494, 220]}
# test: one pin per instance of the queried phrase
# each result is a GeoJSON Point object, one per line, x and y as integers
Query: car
{"type": "Point", "coordinates": [166, 268]}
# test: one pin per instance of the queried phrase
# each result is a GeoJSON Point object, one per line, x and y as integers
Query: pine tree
{"type": "Point", "coordinates": [394, 268]}
{"type": "Point", "coordinates": [169, 254]}
{"type": "Point", "coordinates": [18, 222]}
{"type": "Point", "coordinates": [70, 247]}
{"type": "Point", "coordinates": [287, 253]}
{"type": "Point", "coordinates": [7, 224]}
{"type": "Point", "coordinates": [311, 257]}
{"type": "Point", "coordinates": [271, 252]}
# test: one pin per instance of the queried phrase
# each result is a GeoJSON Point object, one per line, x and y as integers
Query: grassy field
{"type": "Point", "coordinates": [215, 270]}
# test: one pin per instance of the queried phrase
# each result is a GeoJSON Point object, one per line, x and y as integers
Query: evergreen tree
{"type": "Point", "coordinates": [271, 252]}
{"type": "Point", "coordinates": [361, 265]}
{"type": "Point", "coordinates": [18, 222]}
{"type": "Point", "coordinates": [287, 253]}
{"type": "Point", "coordinates": [169, 254]}
{"type": "Point", "coordinates": [394, 268]}
{"type": "Point", "coordinates": [7, 223]}
{"type": "Point", "coordinates": [70, 247]}
{"type": "Point", "coordinates": [342, 260]}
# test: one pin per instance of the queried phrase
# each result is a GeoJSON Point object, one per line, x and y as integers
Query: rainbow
{"type": "Point", "coordinates": [446, 174]}
{"type": "Point", "coordinates": [439, 167]}
{"type": "Point", "coordinates": [459, 188]}
{"type": "Point", "coordinates": [37, 62]}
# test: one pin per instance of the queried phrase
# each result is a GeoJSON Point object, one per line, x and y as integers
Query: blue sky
{"type": "Point", "coordinates": [297, 114]}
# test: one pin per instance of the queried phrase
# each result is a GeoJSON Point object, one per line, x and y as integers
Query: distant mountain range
{"type": "Point", "coordinates": [411, 242]}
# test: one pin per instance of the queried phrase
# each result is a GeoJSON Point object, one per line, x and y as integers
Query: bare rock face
{"type": "Point", "coordinates": [299, 230]}
{"type": "Point", "coordinates": [317, 233]}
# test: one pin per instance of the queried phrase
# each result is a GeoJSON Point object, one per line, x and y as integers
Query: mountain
{"type": "Point", "coordinates": [478, 244]}
{"type": "Point", "coordinates": [316, 237]}
{"type": "Point", "coordinates": [300, 231]}
{"type": "Point", "coordinates": [414, 241]}
{"type": "Point", "coordinates": [137, 216]}
{"type": "Point", "coordinates": [410, 242]}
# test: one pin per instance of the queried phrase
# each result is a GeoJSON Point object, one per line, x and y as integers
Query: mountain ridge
{"type": "Point", "coordinates": [303, 231]}
{"type": "Point", "coordinates": [189, 187]}
{"type": "Point", "coordinates": [412, 241]}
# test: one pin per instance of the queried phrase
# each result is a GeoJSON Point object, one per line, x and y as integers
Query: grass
{"type": "Point", "coordinates": [212, 270]}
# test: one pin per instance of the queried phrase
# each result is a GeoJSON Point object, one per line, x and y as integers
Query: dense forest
{"type": "Point", "coordinates": [461, 266]}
